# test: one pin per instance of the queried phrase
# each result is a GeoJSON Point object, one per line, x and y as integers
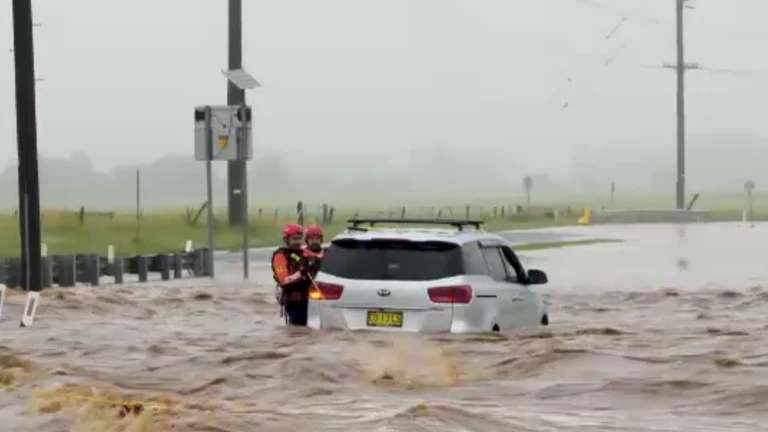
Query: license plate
{"type": "Point", "coordinates": [385, 319]}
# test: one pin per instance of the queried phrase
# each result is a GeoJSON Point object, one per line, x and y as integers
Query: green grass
{"type": "Point", "coordinates": [564, 243]}
{"type": "Point", "coordinates": [167, 231]}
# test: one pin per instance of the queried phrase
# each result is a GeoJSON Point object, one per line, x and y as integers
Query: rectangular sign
{"type": "Point", "coordinates": [227, 129]}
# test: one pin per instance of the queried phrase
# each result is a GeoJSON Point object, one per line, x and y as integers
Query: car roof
{"type": "Point", "coordinates": [419, 234]}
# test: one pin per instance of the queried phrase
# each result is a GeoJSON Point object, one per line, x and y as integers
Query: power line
{"type": "Point", "coordinates": [681, 67]}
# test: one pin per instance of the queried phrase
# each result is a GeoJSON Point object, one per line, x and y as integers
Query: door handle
{"type": "Point", "coordinates": [517, 299]}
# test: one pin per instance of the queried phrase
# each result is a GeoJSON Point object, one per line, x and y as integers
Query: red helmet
{"type": "Point", "coordinates": [314, 231]}
{"type": "Point", "coordinates": [291, 230]}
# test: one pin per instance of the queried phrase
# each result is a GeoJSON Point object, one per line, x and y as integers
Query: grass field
{"type": "Point", "coordinates": [167, 231]}
{"type": "Point", "coordinates": [68, 231]}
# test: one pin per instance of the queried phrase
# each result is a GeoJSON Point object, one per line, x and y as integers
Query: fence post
{"type": "Point", "coordinates": [325, 213]}
{"type": "Point", "coordinates": [300, 213]}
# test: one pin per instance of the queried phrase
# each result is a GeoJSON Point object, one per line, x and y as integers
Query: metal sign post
{"type": "Point", "coordinates": [528, 186]}
{"type": "Point", "coordinates": [749, 186]}
{"type": "Point", "coordinates": [216, 127]}
{"type": "Point", "coordinates": [211, 270]}
{"type": "Point", "coordinates": [243, 154]}
{"type": "Point", "coordinates": [244, 81]}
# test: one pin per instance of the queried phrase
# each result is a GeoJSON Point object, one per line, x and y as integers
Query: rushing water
{"type": "Point", "coordinates": [664, 332]}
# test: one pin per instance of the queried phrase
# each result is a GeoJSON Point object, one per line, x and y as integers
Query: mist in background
{"type": "Point", "coordinates": [390, 102]}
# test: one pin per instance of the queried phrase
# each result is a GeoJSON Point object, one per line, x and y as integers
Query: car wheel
{"type": "Point", "coordinates": [544, 320]}
{"type": "Point", "coordinates": [496, 328]}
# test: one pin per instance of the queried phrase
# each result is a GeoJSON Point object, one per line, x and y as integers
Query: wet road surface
{"type": "Point", "coordinates": [664, 332]}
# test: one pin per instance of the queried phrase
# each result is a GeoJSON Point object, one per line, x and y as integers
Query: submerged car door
{"type": "Point", "coordinates": [529, 306]}
{"type": "Point", "coordinates": [509, 296]}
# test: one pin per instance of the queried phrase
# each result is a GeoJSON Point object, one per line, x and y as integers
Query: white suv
{"type": "Point", "coordinates": [424, 280]}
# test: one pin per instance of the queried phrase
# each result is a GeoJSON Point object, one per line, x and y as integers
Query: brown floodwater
{"type": "Point", "coordinates": [666, 331]}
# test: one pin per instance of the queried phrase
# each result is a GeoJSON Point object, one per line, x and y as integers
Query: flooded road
{"type": "Point", "coordinates": [666, 331]}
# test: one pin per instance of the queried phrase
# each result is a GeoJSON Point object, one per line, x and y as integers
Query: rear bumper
{"type": "Point", "coordinates": [325, 315]}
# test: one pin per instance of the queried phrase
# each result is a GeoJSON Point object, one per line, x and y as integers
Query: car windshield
{"type": "Point", "coordinates": [392, 260]}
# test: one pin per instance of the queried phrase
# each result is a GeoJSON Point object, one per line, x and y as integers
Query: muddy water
{"type": "Point", "coordinates": [664, 332]}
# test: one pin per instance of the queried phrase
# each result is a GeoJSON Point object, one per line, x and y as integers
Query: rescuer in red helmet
{"type": "Point", "coordinates": [313, 250]}
{"type": "Point", "coordinates": [289, 271]}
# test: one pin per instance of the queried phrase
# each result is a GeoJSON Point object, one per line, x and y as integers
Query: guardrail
{"type": "Point", "coordinates": [71, 270]}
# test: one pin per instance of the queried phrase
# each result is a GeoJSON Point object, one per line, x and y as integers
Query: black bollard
{"type": "Point", "coordinates": [207, 263]}
{"type": "Point", "coordinates": [177, 266]}
{"type": "Point", "coordinates": [13, 276]}
{"type": "Point", "coordinates": [142, 265]}
{"type": "Point", "coordinates": [198, 259]}
{"type": "Point", "coordinates": [67, 271]}
{"type": "Point", "coordinates": [47, 272]}
{"type": "Point", "coordinates": [118, 268]}
{"type": "Point", "coordinates": [93, 268]}
{"type": "Point", "coordinates": [165, 267]}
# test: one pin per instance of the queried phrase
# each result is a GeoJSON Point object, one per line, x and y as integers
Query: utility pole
{"type": "Point", "coordinates": [680, 67]}
{"type": "Point", "coordinates": [237, 200]}
{"type": "Point", "coordinates": [26, 137]}
{"type": "Point", "coordinates": [22, 212]}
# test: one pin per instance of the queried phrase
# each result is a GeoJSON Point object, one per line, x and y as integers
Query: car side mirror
{"type": "Point", "coordinates": [537, 277]}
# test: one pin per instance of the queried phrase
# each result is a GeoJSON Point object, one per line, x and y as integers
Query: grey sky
{"type": "Point", "coordinates": [348, 78]}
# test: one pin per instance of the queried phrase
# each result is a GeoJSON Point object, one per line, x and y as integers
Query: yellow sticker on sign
{"type": "Point", "coordinates": [223, 142]}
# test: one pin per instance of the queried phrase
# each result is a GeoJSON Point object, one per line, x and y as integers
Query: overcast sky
{"type": "Point", "coordinates": [344, 79]}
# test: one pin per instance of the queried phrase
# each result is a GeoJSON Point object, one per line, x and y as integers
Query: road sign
{"type": "Point", "coordinates": [528, 183]}
{"type": "Point", "coordinates": [749, 185]}
{"type": "Point", "coordinates": [225, 126]}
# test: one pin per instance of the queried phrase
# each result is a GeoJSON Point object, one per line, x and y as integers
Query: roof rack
{"type": "Point", "coordinates": [459, 224]}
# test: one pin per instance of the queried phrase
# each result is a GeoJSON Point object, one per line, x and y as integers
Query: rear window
{"type": "Point", "coordinates": [392, 260]}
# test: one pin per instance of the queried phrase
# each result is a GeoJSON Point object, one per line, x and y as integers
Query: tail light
{"type": "Point", "coordinates": [451, 294]}
{"type": "Point", "coordinates": [325, 291]}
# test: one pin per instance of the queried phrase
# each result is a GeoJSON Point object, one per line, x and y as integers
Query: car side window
{"type": "Point", "coordinates": [514, 268]}
{"type": "Point", "coordinates": [495, 263]}
{"type": "Point", "coordinates": [474, 263]}
{"type": "Point", "coordinates": [511, 274]}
